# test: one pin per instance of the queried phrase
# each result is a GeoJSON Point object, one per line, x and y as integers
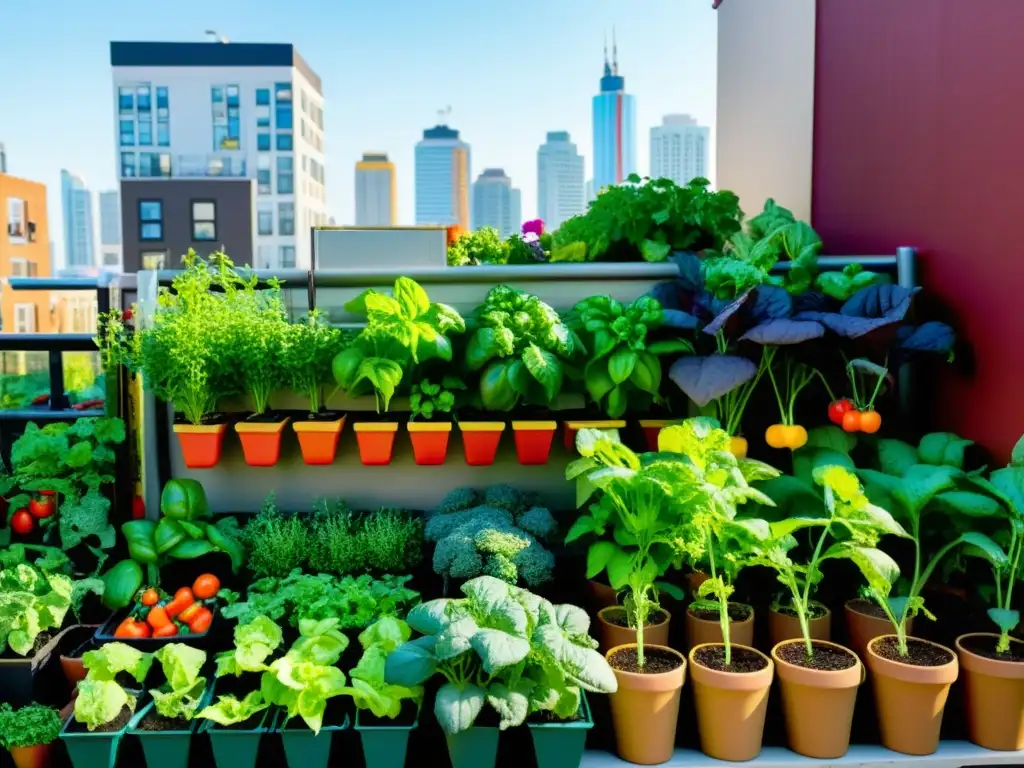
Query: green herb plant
{"type": "Point", "coordinates": [311, 347]}
{"type": "Point", "coordinates": [277, 543]}
{"type": "Point", "coordinates": [482, 246]}
{"type": "Point", "coordinates": [502, 647]}
{"type": "Point", "coordinates": [30, 726]}
{"type": "Point", "coordinates": [842, 284]}
{"type": "Point", "coordinates": [624, 369]}
{"type": "Point", "coordinates": [430, 399]}
{"type": "Point", "coordinates": [522, 350]}
{"type": "Point", "coordinates": [262, 333]}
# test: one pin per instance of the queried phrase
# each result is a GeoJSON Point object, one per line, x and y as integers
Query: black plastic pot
{"type": "Point", "coordinates": [18, 684]}
{"type": "Point", "coordinates": [105, 634]}
{"type": "Point", "coordinates": [385, 746]}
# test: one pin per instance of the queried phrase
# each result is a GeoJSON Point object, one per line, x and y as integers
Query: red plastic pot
{"type": "Point", "coordinates": [376, 441]}
{"type": "Point", "coordinates": [429, 441]}
{"type": "Point", "coordinates": [318, 440]}
{"type": "Point", "coordinates": [480, 441]}
{"type": "Point", "coordinates": [652, 428]}
{"type": "Point", "coordinates": [533, 440]}
{"type": "Point", "coordinates": [261, 441]}
{"type": "Point", "coordinates": [201, 444]}
{"type": "Point", "coordinates": [572, 427]}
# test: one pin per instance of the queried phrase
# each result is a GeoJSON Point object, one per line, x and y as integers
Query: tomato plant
{"type": "Point", "coordinates": [795, 378]}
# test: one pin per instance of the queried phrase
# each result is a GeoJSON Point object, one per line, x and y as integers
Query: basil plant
{"type": "Point", "coordinates": [504, 647]}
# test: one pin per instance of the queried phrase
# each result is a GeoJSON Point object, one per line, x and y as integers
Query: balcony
{"type": "Point", "coordinates": [154, 165]}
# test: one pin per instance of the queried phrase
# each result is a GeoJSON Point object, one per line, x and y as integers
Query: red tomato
{"type": "Point", "coordinates": [851, 421]}
{"type": "Point", "coordinates": [41, 508]}
{"type": "Point", "coordinates": [22, 522]}
{"type": "Point", "coordinates": [837, 408]}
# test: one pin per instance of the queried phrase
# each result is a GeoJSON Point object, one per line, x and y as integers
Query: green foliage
{"type": "Point", "coordinates": [355, 601]}
{"type": "Point", "coordinates": [369, 687]}
{"type": "Point", "coordinates": [110, 660]}
{"type": "Point", "coordinates": [842, 285]}
{"type": "Point", "coordinates": [332, 541]}
{"type": "Point", "coordinates": [31, 602]}
{"type": "Point", "coordinates": [310, 349]}
{"type": "Point", "coordinates": [391, 540]}
{"type": "Point", "coordinates": [277, 543]}
{"type": "Point", "coordinates": [503, 647]}
{"type": "Point", "coordinates": [100, 702]}
{"type": "Point", "coordinates": [521, 348]}
{"type": "Point", "coordinates": [255, 641]}
{"type": "Point", "coordinates": [502, 538]}
{"type": "Point", "coordinates": [262, 334]}
{"type": "Point", "coordinates": [484, 246]}
{"type": "Point", "coordinates": [624, 372]}
{"type": "Point", "coordinates": [402, 330]}
{"type": "Point", "coordinates": [30, 726]}
{"type": "Point", "coordinates": [650, 218]}
{"type": "Point", "coordinates": [182, 692]}
{"type": "Point", "coordinates": [430, 399]}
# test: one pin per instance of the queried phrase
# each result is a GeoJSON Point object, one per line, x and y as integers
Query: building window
{"type": "Point", "coordinates": [143, 99]}
{"type": "Point", "coordinates": [263, 142]}
{"type": "Point", "coordinates": [263, 96]}
{"type": "Point", "coordinates": [262, 117]}
{"type": "Point", "coordinates": [127, 164]}
{"type": "Point", "coordinates": [24, 318]}
{"type": "Point", "coordinates": [126, 99]}
{"type": "Point", "coordinates": [226, 123]}
{"type": "Point", "coordinates": [232, 92]}
{"type": "Point", "coordinates": [265, 219]}
{"type": "Point", "coordinates": [204, 220]}
{"type": "Point", "coordinates": [151, 220]}
{"type": "Point", "coordinates": [285, 175]}
{"type": "Point", "coordinates": [283, 116]}
{"type": "Point", "coordinates": [263, 180]}
{"type": "Point", "coordinates": [282, 92]}
{"type": "Point", "coordinates": [162, 99]}
{"type": "Point", "coordinates": [163, 134]}
{"type": "Point", "coordinates": [284, 142]}
{"type": "Point", "coordinates": [19, 268]}
{"type": "Point", "coordinates": [145, 133]}
{"type": "Point", "coordinates": [127, 129]}
{"type": "Point", "coordinates": [153, 259]}
{"type": "Point", "coordinates": [287, 256]}
{"type": "Point", "coordinates": [286, 218]}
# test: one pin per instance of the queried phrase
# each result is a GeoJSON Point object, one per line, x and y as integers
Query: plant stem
{"type": "Point", "coordinates": [824, 382]}
{"type": "Point", "coordinates": [778, 397]}
{"type": "Point", "coordinates": [804, 604]}
{"type": "Point", "coordinates": [723, 604]}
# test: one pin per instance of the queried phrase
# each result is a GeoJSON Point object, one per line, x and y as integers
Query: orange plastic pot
{"type": "Point", "coordinates": [480, 441]}
{"type": "Point", "coordinates": [261, 442]}
{"type": "Point", "coordinates": [704, 631]}
{"type": "Point", "coordinates": [993, 696]}
{"type": "Point", "coordinates": [611, 635]}
{"type": "Point", "coordinates": [862, 628]}
{"type": "Point", "coordinates": [910, 700]}
{"type": "Point", "coordinates": [533, 440]}
{"type": "Point", "coordinates": [652, 428]}
{"type": "Point", "coordinates": [731, 707]}
{"type": "Point", "coordinates": [429, 441]}
{"type": "Point", "coordinates": [645, 710]}
{"type": "Point", "coordinates": [318, 440]}
{"type": "Point", "coordinates": [572, 427]}
{"type": "Point", "coordinates": [38, 756]}
{"type": "Point", "coordinates": [818, 704]}
{"type": "Point", "coordinates": [376, 441]}
{"type": "Point", "coordinates": [782, 626]}
{"type": "Point", "coordinates": [201, 444]}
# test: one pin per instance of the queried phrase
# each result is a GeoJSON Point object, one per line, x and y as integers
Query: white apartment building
{"type": "Point", "coordinates": [442, 178]}
{"type": "Point", "coordinates": [110, 231]}
{"type": "Point", "coordinates": [496, 203]}
{"type": "Point", "coordinates": [221, 110]}
{"type": "Point", "coordinates": [561, 192]}
{"type": "Point", "coordinates": [679, 149]}
{"type": "Point", "coordinates": [376, 191]}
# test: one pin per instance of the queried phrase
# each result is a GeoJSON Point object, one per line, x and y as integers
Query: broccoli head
{"type": "Point", "coordinates": [500, 567]}
{"type": "Point", "coordinates": [538, 522]}
{"type": "Point", "coordinates": [504, 497]}
{"type": "Point", "coordinates": [458, 500]}
{"type": "Point", "coordinates": [498, 541]}
{"type": "Point", "coordinates": [535, 565]}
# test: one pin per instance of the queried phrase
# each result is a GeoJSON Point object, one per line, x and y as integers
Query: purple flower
{"type": "Point", "coordinates": [531, 237]}
{"type": "Point", "coordinates": [534, 226]}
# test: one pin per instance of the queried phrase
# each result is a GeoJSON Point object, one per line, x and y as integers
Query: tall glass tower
{"type": "Point", "coordinates": [614, 126]}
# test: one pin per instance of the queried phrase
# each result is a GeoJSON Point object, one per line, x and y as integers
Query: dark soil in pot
{"type": "Point", "coordinates": [986, 647]}
{"type": "Point", "coordinates": [246, 725]}
{"type": "Point", "coordinates": [824, 658]}
{"type": "Point", "coordinates": [737, 612]}
{"type": "Point", "coordinates": [547, 717]}
{"type": "Point", "coordinates": [208, 420]}
{"type": "Point", "coordinates": [322, 416]}
{"type": "Point", "coordinates": [117, 724]}
{"type": "Point", "coordinates": [154, 721]}
{"type": "Point", "coordinates": [743, 659]}
{"type": "Point", "coordinates": [814, 611]}
{"type": "Point", "coordinates": [919, 654]}
{"type": "Point", "coordinates": [656, 661]}
{"type": "Point", "coordinates": [267, 417]}
{"type": "Point", "coordinates": [405, 718]}
{"type": "Point", "coordinates": [620, 618]}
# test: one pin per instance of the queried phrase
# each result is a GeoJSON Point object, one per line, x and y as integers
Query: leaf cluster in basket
{"type": "Point", "coordinates": [34, 603]}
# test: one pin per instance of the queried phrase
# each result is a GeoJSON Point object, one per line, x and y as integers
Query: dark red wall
{"type": "Point", "coordinates": [919, 140]}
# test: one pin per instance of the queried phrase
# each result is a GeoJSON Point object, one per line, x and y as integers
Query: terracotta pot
{"type": "Point", "coordinates": [572, 427]}
{"type": "Point", "coordinates": [429, 441]}
{"type": "Point", "coordinates": [645, 709]}
{"type": "Point", "coordinates": [201, 444]}
{"type": "Point", "coordinates": [993, 695]}
{"type": "Point", "coordinates": [611, 635]}
{"type": "Point", "coordinates": [533, 440]}
{"type": "Point", "coordinates": [318, 440]}
{"type": "Point", "coordinates": [376, 441]}
{"type": "Point", "coordinates": [910, 700]}
{"type": "Point", "coordinates": [32, 757]}
{"type": "Point", "coordinates": [701, 631]}
{"type": "Point", "coordinates": [261, 441]}
{"type": "Point", "coordinates": [652, 428]}
{"type": "Point", "coordinates": [694, 579]}
{"type": "Point", "coordinates": [862, 628]}
{"type": "Point", "coordinates": [818, 704]}
{"type": "Point", "coordinates": [782, 627]}
{"type": "Point", "coordinates": [601, 595]}
{"type": "Point", "coordinates": [480, 440]}
{"type": "Point", "coordinates": [730, 708]}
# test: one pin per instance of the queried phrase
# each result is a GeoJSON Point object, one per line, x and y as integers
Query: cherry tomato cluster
{"type": "Point", "coordinates": [39, 508]}
{"type": "Point", "coordinates": [156, 614]}
{"type": "Point", "coordinates": [851, 419]}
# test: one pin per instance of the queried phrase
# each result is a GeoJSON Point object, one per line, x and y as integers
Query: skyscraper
{"type": "Point", "coordinates": [442, 178]}
{"type": "Point", "coordinates": [560, 186]}
{"type": "Point", "coordinates": [679, 149]}
{"type": "Point", "coordinates": [496, 203]}
{"type": "Point", "coordinates": [3, 158]}
{"type": "Point", "coordinates": [214, 135]}
{"type": "Point", "coordinates": [110, 230]}
{"type": "Point", "coordinates": [76, 205]}
{"type": "Point", "coordinates": [614, 126]}
{"type": "Point", "coordinates": [376, 191]}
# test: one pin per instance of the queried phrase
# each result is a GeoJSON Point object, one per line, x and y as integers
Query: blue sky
{"type": "Point", "coordinates": [511, 71]}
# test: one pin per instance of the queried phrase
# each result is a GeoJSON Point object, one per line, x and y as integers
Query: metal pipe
{"type": "Point", "coordinates": [45, 342]}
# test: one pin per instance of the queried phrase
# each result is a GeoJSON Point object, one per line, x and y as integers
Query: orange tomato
{"type": "Point", "coordinates": [206, 586]}
{"type": "Point", "coordinates": [170, 630]}
{"type": "Point", "coordinates": [738, 447]}
{"type": "Point", "coordinates": [157, 617]}
{"type": "Point", "coordinates": [150, 597]}
{"type": "Point", "coordinates": [775, 436]}
{"type": "Point", "coordinates": [190, 613]}
{"type": "Point", "coordinates": [796, 437]}
{"type": "Point", "coordinates": [870, 422]}
{"type": "Point", "coordinates": [202, 620]}
{"type": "Point", "coordinates": [851, 421]}
{"type": "Point", "coordinates": [132, 628]}
{"type": "Point", "coordinates": [183, 598]}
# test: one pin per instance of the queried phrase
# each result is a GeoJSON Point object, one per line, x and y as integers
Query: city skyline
{"type": "Point", "coordinates": [383, 79]}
